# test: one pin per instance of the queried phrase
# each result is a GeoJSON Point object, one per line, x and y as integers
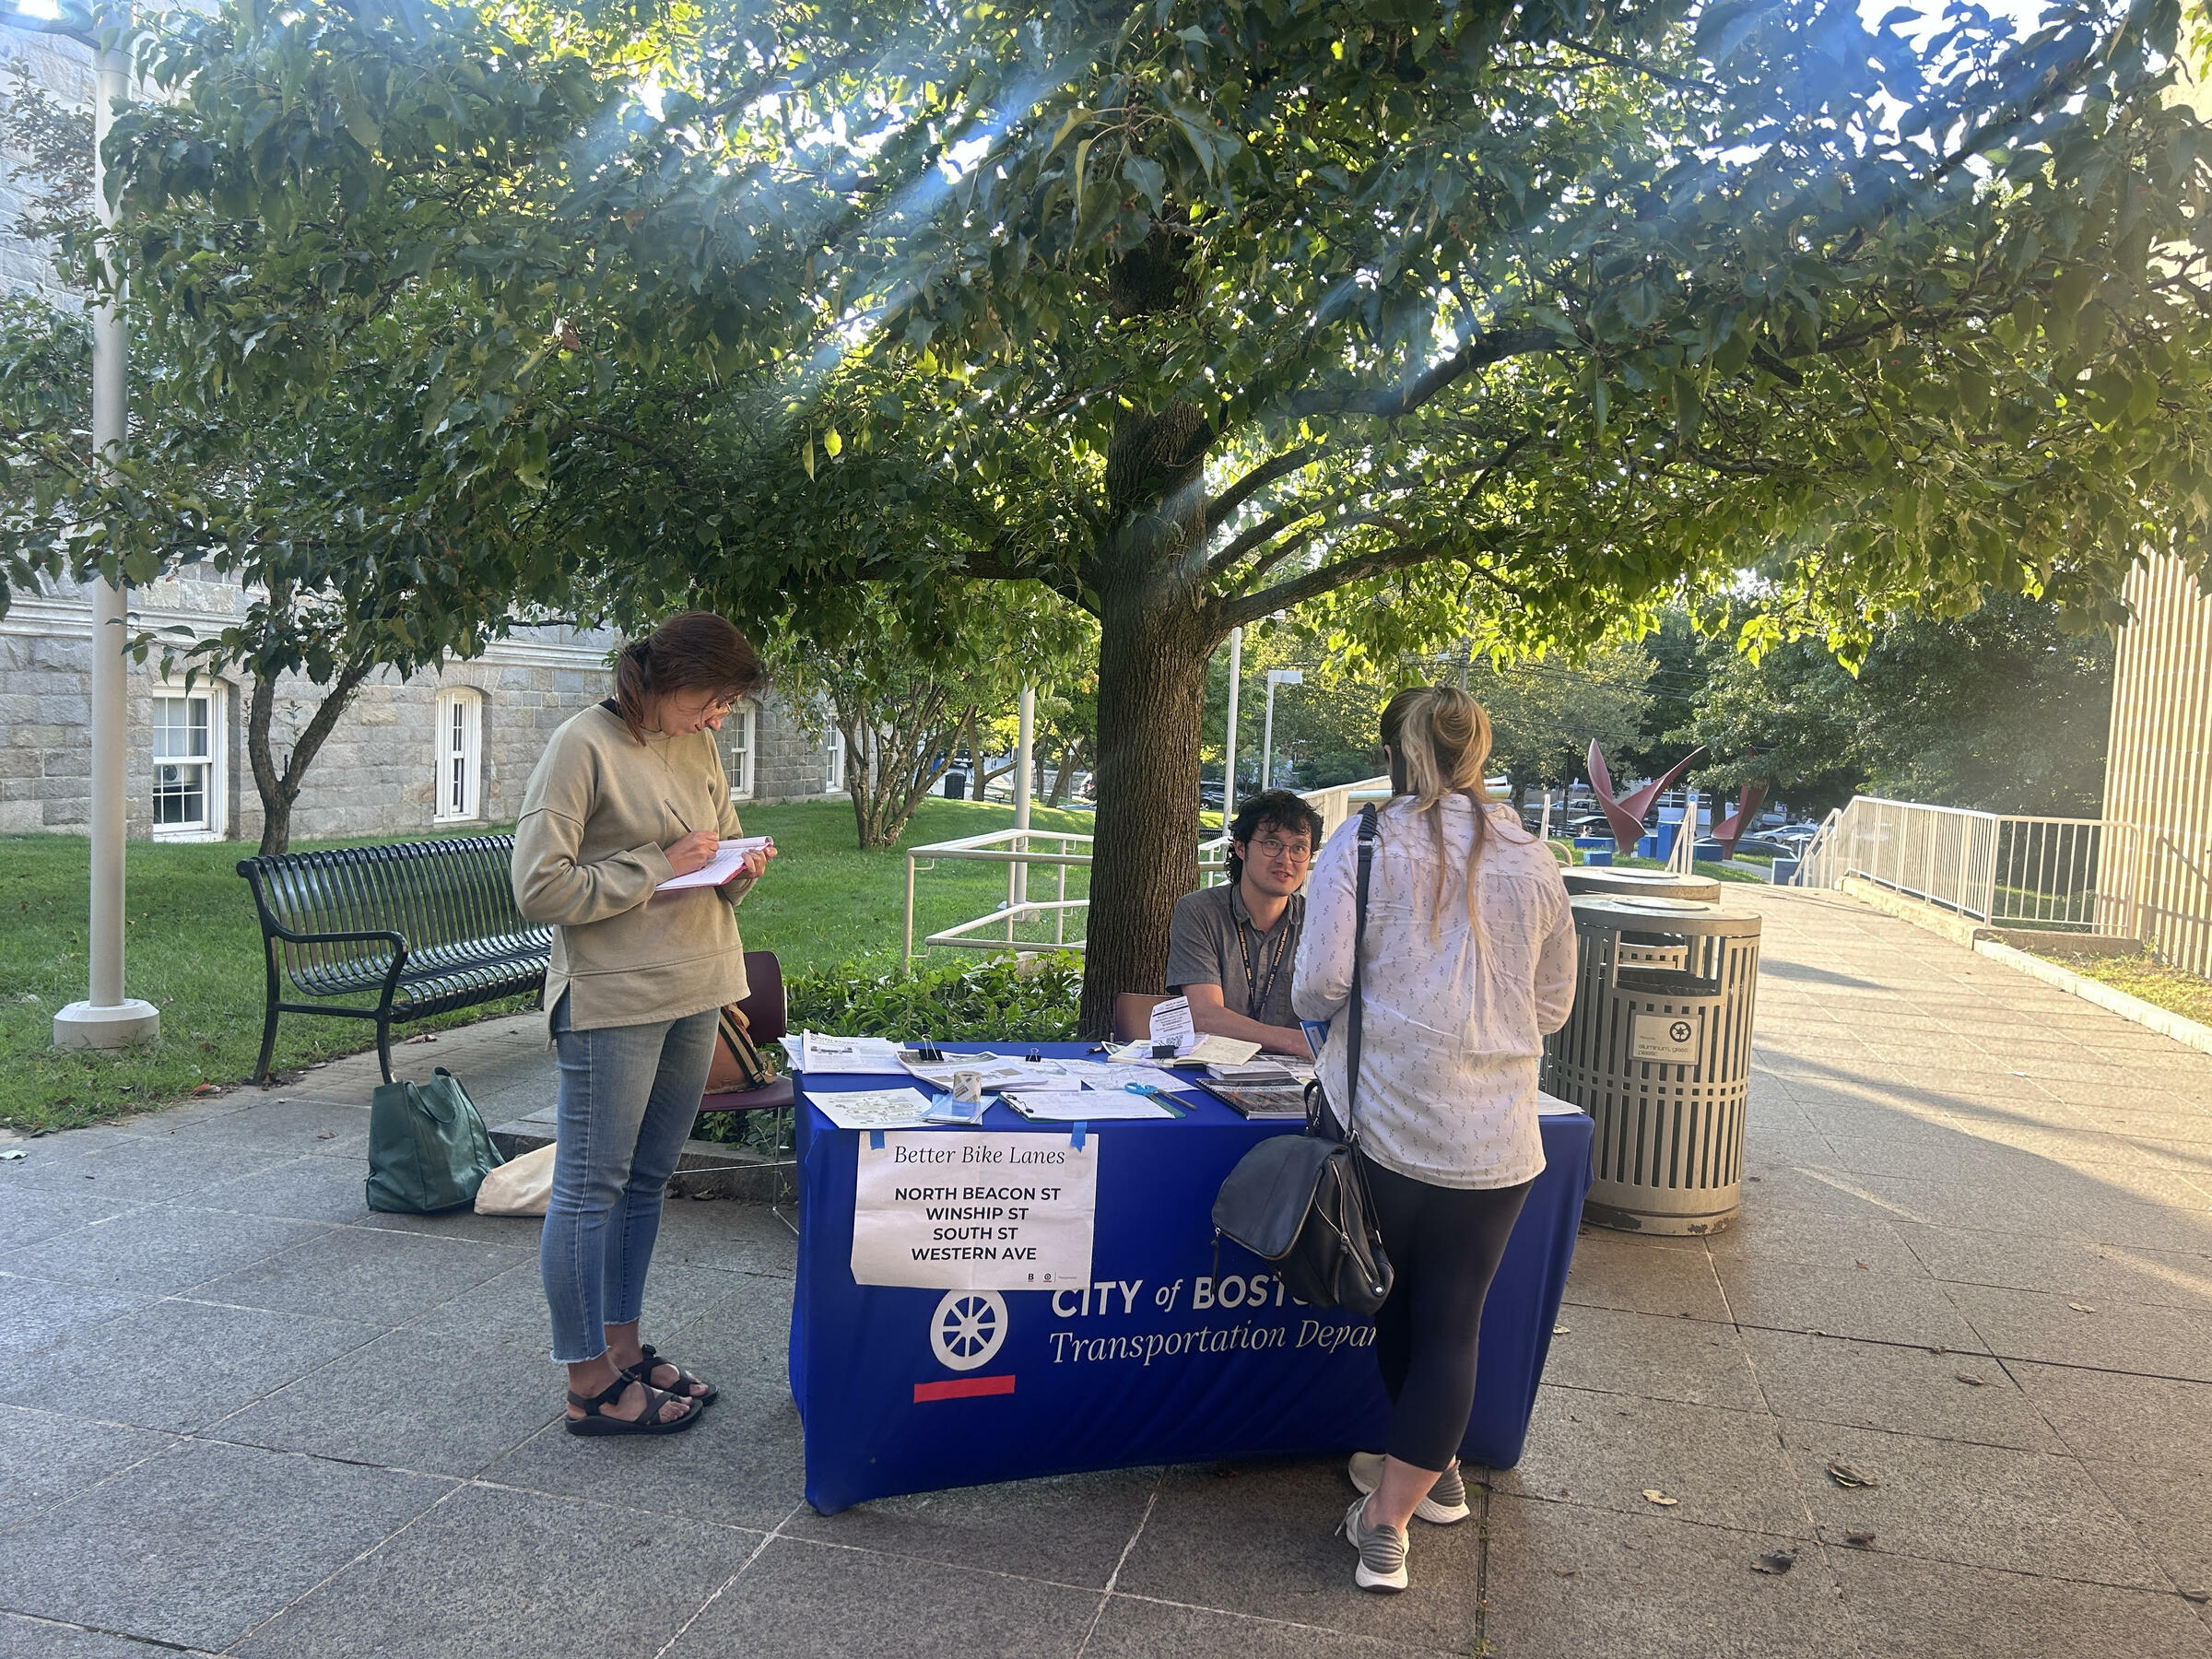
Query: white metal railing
{"type": "Point", "coordinates": [1016, 849]}
{"type": "Point", "coordinates": [2078, 875]}
{"type": "Point", "coordinates": [998, 929]}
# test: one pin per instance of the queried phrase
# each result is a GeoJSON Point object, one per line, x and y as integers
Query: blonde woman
{"type": "Point", "coordinates": [1468, 962]}
{"type": "Point", "coordinates": [628, 795]}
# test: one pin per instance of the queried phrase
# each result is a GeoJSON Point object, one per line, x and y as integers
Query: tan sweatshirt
{"type": "Point", "coordinates": [588, 855]}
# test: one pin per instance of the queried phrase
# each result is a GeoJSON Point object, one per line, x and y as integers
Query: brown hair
{"type": "Point", "coordinates": [1440, 736]}
{"type": "Point", "coordinates": [693, 651]}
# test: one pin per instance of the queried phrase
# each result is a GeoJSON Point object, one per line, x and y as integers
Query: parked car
{"type": "Point", "coordinates": [1766, 846]}
{"type": "Point", "coordinates": [1211, 793]}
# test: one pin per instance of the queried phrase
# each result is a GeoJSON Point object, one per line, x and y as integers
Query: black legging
{"type": "Point", "coordinates": [1444, 1245]}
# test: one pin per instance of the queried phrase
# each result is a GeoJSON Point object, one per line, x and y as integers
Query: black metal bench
{"type": "Point", "coordinates": [424, 927]}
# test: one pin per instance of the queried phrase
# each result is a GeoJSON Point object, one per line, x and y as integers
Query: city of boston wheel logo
{"type": "Point", "coordinates": [967, 1328]}
{"type": "Point", "coordinates": [1679, 1030]}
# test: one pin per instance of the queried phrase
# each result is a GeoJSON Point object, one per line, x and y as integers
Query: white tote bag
{"type": "Point", "coordinates": [521, 1186]}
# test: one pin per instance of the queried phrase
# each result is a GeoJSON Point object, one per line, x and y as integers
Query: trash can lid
{"type": "Point", "coordinates": [1630, 911]}
{"type": "Point", "coordinates": [1669, 883]}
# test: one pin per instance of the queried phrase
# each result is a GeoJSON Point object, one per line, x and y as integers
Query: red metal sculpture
{"type": "Point", "coordinates": [1626, 815]}
{"type": "Point", "coordinates": [1730, 830]}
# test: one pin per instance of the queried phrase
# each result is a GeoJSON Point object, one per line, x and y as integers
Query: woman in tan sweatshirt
{"type": "Point", "coordinates": [628, 794]}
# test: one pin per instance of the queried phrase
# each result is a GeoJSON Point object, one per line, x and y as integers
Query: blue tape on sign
{"type": "Point", "coordinates": [1075, 1135]}
{"type": "Point", "coordinates": [875, 1140]}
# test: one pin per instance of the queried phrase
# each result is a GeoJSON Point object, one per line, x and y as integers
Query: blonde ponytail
{"type": "Point", "coordinates": [1442, 737]}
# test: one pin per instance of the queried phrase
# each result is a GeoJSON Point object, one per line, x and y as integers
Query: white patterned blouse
{"type": "Point", "coordinates": [1456, 1012]}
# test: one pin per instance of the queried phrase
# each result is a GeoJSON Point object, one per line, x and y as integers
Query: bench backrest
{"type": "Point", "coordinates": [431, 893]}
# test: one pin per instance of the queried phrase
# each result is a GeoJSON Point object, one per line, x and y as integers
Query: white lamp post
{"type": "Point", "coordinates": [106, 1018]}
{"type": "Point", "coordinates": [1229, 765]}
{"type": "Point", "coordinates": [1025, 745]}
{"type": "Point", "coordinates": [1276, 677]}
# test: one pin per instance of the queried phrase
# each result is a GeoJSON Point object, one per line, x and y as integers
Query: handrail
{"type": "Point", "coordinates": [2016, 870]}
{"type": "Point", "coordinates": [1013, 847]}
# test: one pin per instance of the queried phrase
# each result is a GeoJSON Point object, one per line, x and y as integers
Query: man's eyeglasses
{"type": "Point", "coordinates": [1297, 852]}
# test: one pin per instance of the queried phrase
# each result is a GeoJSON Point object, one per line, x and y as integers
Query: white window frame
{"type": "Point", "coordinates": [461, 745]}
{"type": "Point", "coordinates": [216, 775]}
{"type": "Point", "coordinates": [833, 780]}
{"type": "Point", "coordinates": [743, 715]}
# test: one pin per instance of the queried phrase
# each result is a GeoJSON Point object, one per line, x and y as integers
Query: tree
{"type": "Point", "coordinates": [1543, 715]}
{"type": "Point", "coordinates": [1461, 319]}
{"type": "Point", "coordinates": [897, 696]}
{"type": "Point", "coordinates": [2002, 710]}
{"type": "Point", "coordinates": [1068, 728]}
{"type": "Point", "coordinates": [1681, 657]}
{"type": "Point", "coordinates": [310, 505]}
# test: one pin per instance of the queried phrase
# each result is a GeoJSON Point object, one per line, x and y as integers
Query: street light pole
{"type": "Point", "coordinates": [1025, 744]}
{"type": "Point", "coordinates": [1229, 766]}
{"type": "Point", "coordinates": [106, 1018]}
{"type": "Point", "coordinates": [1276, 677]}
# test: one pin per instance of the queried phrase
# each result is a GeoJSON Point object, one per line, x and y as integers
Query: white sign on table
{"type": "Point", "coordinates": [937, 1210]}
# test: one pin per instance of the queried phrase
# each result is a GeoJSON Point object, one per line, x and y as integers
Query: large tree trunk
{"type": "Point", "coordinates": [1156, 627]}
{"type": "Point", "coordinates": [1145, 853]}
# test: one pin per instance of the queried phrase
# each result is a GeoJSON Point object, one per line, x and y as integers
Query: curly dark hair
{"type": "Point", "coordinates": [1270, 809]}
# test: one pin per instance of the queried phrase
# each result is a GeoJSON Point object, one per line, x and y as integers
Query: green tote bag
{"type": "Point", "coordinates": [428, 1148]}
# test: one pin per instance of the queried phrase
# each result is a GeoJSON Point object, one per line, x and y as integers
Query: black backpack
{"type": "Point", "coordinates": [1301, 1201]}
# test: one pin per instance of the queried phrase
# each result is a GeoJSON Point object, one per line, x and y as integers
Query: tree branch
{"type": "Point", "coordinates": [1403, 399]}
{"type": "Point", "coordinates": [1681, 83]}
{"type": "Point", "coordinates": [1225, 505]}
{"type": "Point", "coordinates": [1327, 578]}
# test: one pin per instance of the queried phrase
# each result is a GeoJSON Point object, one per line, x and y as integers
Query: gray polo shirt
{"type": "Point", "coordinates": [1202, 951]}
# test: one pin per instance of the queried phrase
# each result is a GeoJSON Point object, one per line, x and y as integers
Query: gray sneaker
{"type": "Point", "coordinates": [1447, 1500]}
{"type": "Point", "coordinates": [1382, 1552]}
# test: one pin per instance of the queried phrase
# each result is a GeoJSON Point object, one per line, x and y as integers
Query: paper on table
{"type": "Point", "coordinates": [996, 1074]}
{"type": "Point", "coordinates": [1552, 1106]}
{"type": "Point", "coordinates": [1084, 1105]}
{"type": "Point", "coordinates": [1212, 1050]}
{"type": "Point", "coordinates": [873, 1108]}
{"type": "Point", "coordinates": [1171, 1021]}
{"type": "Point", "coordinates": [1097, 1074]}
{"type": "Point", "coordinates": [848, 1056]}
{"type": "Point", "coordinates": [722, 868]}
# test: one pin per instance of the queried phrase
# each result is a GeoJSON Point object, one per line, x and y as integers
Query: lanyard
{"type": "Point", "coordinates": [1257, 1007]}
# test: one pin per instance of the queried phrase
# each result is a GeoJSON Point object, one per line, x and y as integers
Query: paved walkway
{"type": "Point", "coordinates": [240, 1413]}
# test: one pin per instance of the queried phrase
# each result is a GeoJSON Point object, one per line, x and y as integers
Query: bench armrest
{"type": "Point", "coordinates": [276, 930]}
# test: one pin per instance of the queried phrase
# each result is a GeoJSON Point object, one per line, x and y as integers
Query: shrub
{"type": "Point", "coordinates": [1032, 1000]}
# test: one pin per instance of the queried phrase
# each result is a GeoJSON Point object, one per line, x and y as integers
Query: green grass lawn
{"type": "Point", "coordinates": [2145, 976]}
{"type": "Point", "coordinates": [1748, 870]}
{"type": "Point", "coordinates": [195, 948]}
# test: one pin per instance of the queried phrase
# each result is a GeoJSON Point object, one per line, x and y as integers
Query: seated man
{"type": "Point", "coordinates": [1230, 949]}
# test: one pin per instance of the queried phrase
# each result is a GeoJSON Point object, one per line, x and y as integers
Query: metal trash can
{"type": "Point", "coordinates": [1781, 872]}
{"type": "Point", "coordinates": [956, 785]}
{"type": "Point", "coordinates": [1658, 1050]}
{"type": "Point", "coordinates": [1643, 884]}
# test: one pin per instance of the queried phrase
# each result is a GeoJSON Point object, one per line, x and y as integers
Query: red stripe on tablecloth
{"type": "Point", "coordinates": [962, 1388]}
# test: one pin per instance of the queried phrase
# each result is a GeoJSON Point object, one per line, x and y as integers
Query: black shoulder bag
{"type": "Point", "coordinates": [1301, 1201]}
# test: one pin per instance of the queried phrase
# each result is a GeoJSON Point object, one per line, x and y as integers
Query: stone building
{"type": "Point", "coordinates": [430, 754]}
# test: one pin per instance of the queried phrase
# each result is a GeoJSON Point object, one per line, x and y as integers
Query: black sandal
{"type": "Point", "coordinates": [642, 1373]}
{"type": "Point", "coordinates": [594, 1419]}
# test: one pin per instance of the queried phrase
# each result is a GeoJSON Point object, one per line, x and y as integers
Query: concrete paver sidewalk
{"type": "Point", "coordinates": [238, 1413]}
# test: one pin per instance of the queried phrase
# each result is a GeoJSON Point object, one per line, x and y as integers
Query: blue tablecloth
{"type": "Point", "coordinates": [1179, 1362]}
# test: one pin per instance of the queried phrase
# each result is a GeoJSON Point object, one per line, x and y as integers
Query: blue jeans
{"type": "Point", "coordinates": [629, 1095]}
